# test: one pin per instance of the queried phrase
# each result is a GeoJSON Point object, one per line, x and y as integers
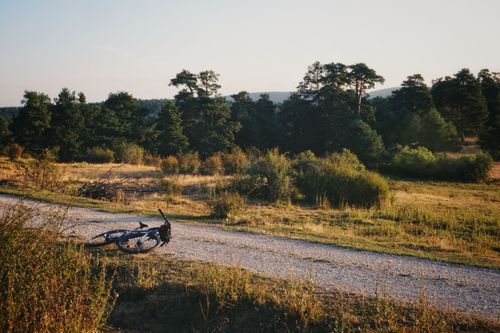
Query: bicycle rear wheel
{"type": "Point", "coordinates": [105, 238]}
{"type": "Point", "coordinates": [138, 244]}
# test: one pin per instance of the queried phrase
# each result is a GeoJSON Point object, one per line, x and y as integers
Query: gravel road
{"type": "Point", "coordinates": [465, 288]}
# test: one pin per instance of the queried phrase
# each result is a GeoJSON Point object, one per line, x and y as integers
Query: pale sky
{"type": "Point", "coordinates": [103, 46]}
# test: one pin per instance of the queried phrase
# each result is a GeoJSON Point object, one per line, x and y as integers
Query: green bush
{"type": "Point", "coordinates": [273, 173]}
{"type": "Point", "coordinates": [227, 205]}
{"type": "Point", "coordinates": [170, 165]}
{"type": "Point", "coordinates": [212, 165]}
{"type": "Point", "coordinates": [235, 162]}
{"type": "Point", "coordinates": [14, 151]}
{"type": "Point", "coordinates": [129, 153]}
{"type": "Point", "coordinates": [469, 168]}
{"type": "Point", "coordinates": [341, 180]}
{"type": "Point", "coordinates": [99, 155]}
{"type": "Point", "coordinates": [46, 285]}
{"type": "Point", "coordinates": [189, 163]}
{"type": "Point", "coordinates": [413, 161]}
{"type": "Point", "coordinates": [421, 163]}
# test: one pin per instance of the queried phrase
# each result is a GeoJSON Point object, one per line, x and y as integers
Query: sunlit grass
{"type": "Point", "coordinates": [454, 222]}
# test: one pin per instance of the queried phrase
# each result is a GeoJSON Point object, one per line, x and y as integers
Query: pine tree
{"type": "Point", "coordinates": [31, 125]}
{"type": "Point", "coordinates": [436, 133]}
{"type": "Point", "coordinates": [66, 126]}
{"type": "Point", "coordinates": [171, 138]}
{"type": "Point", "coordinates": [461, 101]}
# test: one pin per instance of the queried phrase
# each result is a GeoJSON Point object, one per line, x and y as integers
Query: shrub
{"type": "Point", "coordinates": [273, 171]}
{"type": "Point", "coordinates": [41, 172]}
{"type": "Point", "coordinates": [420, 162]}
{"type": "Point", "coordinates": [341, 180]}
{"type": "Point", "coordinates": [413, 161]}
{"type": "Point", "coordinates": [14, 151]}
{"type": "Point", "coordinates": [99, 155]}
{"type": "Point", "coordinates": [47, 286]}
{"type": "Point", "coordinates": [364, 142]}
{"type": "Point", "coordinates": [152, 160]}
{"type": "Point", "coordinates": [235, 162]}
{"type": "Point", "coordinates": [212, 165]}
{"type": "Point", "coordinates": [189, 163]}
{"type": "Point", "coordinates": [129, 153]}
{"type": "Point", "coordinates": [469, 168]}
{"type": "Point", "coordinates": [303, 160]}
{"type": "Point", "coordinates": [227, 205]}
{"type": "Point", "coordinates": [170, 165]}
{"type": "Point", "coordinates": [346, 159]}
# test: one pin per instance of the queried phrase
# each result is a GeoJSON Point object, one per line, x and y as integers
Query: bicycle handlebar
{"type": "Point", "coordinates": [163, 215]}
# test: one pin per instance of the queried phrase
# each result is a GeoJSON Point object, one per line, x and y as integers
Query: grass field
{"type": "Point", "coordinates": [453, 222]}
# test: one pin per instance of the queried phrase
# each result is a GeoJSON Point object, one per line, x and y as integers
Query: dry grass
{"type": "Point", "coordinates": [163, 295]}
{"type": "Point", "coordinates": [446, 221]}
{"type": "Point", "coordinates": [46, 285]}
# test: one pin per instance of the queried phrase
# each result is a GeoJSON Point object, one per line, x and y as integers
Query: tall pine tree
{"type": "Point", "coordinates": [30, 127]}
{"type": "Point", "coordinates": [461, 101]}
{"type": "Point", "coordinates": [67, 125]}
{"type": "Point", "coordinates": [171, 139]}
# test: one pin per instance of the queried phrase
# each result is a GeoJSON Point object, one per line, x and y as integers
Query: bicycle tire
{"type": "Point", "coordinates": [135, 247]}
{"type": "Point", "coordinates": [103, 239]}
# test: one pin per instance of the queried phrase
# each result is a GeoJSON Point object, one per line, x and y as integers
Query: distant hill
{"type": "Point", "coordinates": [275, 96]}
{"type": "Point", "coordinates": [382, 92]}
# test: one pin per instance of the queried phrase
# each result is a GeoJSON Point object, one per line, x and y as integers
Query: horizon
{"type": "Point", "coordinates": [99, 48]}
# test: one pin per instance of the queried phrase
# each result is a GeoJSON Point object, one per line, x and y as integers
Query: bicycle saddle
{"type": "Point", "coordinates": [142, 225]}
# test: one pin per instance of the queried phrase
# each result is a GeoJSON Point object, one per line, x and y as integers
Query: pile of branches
{"type": "Point", "coordinates": [116, 190]}
{"type": "Point", "coordinates": [104, 189]}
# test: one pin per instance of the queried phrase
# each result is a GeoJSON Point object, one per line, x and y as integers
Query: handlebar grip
{"type": "Point", "coordinates": [162, 214]}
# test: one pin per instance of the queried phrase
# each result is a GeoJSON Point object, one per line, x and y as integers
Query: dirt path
{"type": "Point", "coordinates": [459, 287]}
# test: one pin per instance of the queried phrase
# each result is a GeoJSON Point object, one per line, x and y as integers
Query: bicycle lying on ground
{"type": "Point", "coordinates": [135, 240]}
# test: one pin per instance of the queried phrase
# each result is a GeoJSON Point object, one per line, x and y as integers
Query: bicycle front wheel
{"type": "Point", "coordinates": [138, 244]}
{"type": "Point", "coordinates": [105, 238]}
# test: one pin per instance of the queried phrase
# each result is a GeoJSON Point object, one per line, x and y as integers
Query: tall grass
{"type": "Point", "coordinates": [178, 296]}
{"type": "Point", "coordinates": [46, 285]}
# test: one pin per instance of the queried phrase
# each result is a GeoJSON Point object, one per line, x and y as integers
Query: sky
{"type": "Point", "coordinates": [103, 46]}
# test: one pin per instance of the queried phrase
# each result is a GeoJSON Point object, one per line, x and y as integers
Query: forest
{"type": "Point", "coordinates": [329, 111]}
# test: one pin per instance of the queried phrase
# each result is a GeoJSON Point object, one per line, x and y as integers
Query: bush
{"type": "Point", "coordinates": [189, 163]}
{"type": "Point", "coordinates": [227, 205]}
{"type": "Point", "coordinates": [129, 153]}
{"type": "Point", "coordinates": [421, 163]}
{"type": "Point", "coordinates": [364, 142]}
{"type": "Point", "coordinates": [47, 286]}
{"type": "Point", "coordinates": [413, 161]}
{"type": "Point", "coordinates": [235, 162]}
{"type": "Point", "coordinates": [273, 173]}
{"type": "Point", "coordinates": [99, 155]}
{"type": "Point", "coordinates": [152, 160]}
{"type": "Point", "coordinates": [469, 168]}
{"type": "Point", "coordinates": [41, 172]}
{"type": "Point", "coordinates": [14, 151]}
{"type": "Point", "coordinates": [340, 179]}
{"type": "Point", "coordinates": [170, 165]}
{"type": "Point", "coordinates": [212, 165]}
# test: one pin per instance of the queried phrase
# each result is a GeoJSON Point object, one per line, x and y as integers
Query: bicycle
{"type": "Point", "coordinates": [135, 240]}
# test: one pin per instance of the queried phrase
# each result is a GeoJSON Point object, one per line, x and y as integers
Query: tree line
{"type": "Point", "coordinates": [329, 111]}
